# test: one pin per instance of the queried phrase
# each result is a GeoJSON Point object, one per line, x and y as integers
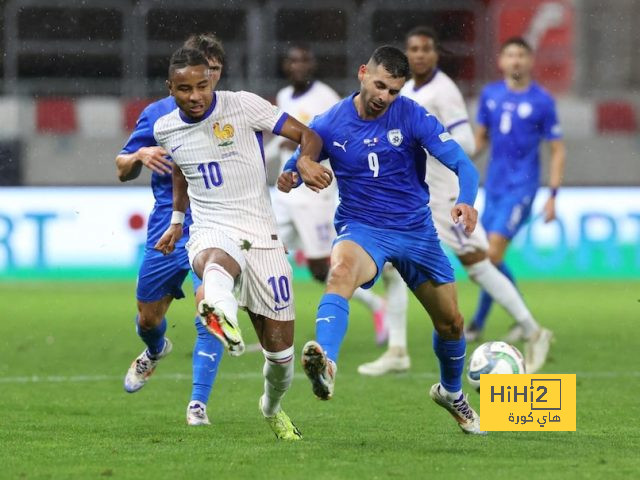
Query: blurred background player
{"type": "Point", "coordinates": [216, 142]}
{"type": "Point", "coordinates": [384, 216]}
{"type": "Point", "coordinates": [160, 277]}
{"type": "Point", "coordinates": [305, 218]}
{"type": "Point", "coordinates": [434, 90]}
{"type": "Point", "coordinates": [515, 115]}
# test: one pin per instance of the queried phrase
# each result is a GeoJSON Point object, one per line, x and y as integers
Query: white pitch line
{"type": "Point", "coordinates": [258, 375]}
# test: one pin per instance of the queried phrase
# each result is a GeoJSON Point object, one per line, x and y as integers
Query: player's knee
{"type": "Point", "coordinates": [495, 257]}
{"type": "Point", "coordinates": [149, 316]}
{"type": "Point", "coordinates": [451, 328]}
{"type": "Point", "coordinates": [341, 274]}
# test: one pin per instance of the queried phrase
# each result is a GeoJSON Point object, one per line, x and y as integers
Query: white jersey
{"type": "Point", "coordinates": [442, 98]}
{"type": "Point", "coordinates": [221, 157]}
{"type": "Point", "coordinates": [318, 99]}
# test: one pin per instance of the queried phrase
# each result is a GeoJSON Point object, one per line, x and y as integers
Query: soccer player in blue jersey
{"type": "Point", "coordinates": [515, 115]}
{"type": "Point", "coordinates": [374, 140]}
{"type": "Point", "coordinates": [160, 277]}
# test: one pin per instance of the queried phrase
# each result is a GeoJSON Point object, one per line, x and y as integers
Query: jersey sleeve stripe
{"type": "Point", "coordinates": [456, 124]}
{"type": "Point", "coordinates": [278, 126]}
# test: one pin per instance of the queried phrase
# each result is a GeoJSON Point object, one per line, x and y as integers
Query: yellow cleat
{"type": "Point", "coordinates": [282, 426]}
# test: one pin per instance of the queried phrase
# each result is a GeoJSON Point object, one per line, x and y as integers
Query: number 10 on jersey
{"type": "Point", "coordinates": [211, 174]}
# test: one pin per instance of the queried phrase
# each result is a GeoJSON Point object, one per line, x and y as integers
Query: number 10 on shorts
{"type": "Point", "coordinates": [280, 288]}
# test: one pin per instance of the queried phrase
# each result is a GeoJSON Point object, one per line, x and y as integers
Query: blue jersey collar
{"type": "Point", "coordinates": [185, 118]}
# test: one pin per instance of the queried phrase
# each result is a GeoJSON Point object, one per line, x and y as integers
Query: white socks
{"type": "Point", "coordinates": [278, 375]}
{"type": "Point", "coordinates": [218, 290]}
{"type": "Point", "coordinates": [500, 288]}
{"type": "Point", "coordinates": [397, 302]}
{"type": "Point", "coordinates": [372, 301]}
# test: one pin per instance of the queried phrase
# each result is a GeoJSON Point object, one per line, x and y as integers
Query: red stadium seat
{"type": "Point", "coordinates": [56, 115]}
{"type": "Point", "coordinates": [132, 110]}
{"type": "Point", "coordinates": [616, 117]}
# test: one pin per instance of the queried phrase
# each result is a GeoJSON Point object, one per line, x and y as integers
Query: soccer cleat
{"type": "Point", "coordinates": [197, 414]}
{"type": "Point", "coordinates": [226, 329]}
{"type": "Point", "coordinates": [472, 334]}
{"type": "Point", "coordinates": [380, 325]}
{"type": "Point", "coordinates": [143, 366]}
{"type": "Point", "coordinates": [387, 363]}
{"type": "Point", "coordinates": [536, 350]}
{"type": "Point", "coordinates": [281, 425]}
{"type": "Point", "coordinates": [320, 370]}
{"type": "Point", "coordinates": [468, 420]}
{"type": "Point", "coordinates": [515, 334]}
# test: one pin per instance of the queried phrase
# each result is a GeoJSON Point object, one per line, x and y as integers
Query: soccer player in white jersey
{"type": "Point", "coordinates": [434, 90]}
{"type": "Point", "coordinates": [215, 140]}
{"type": "Point", "coordinates": [305, 218]}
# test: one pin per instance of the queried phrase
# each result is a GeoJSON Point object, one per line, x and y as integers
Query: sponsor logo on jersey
{"type": "Point", "coordinates": [395, 137]}
{"type": "Point", "coordinates": [371, 142]}
{"type": "Point", "coordinates": [223, 133]}
{"type": "Point", "coordinates": [343, 146]}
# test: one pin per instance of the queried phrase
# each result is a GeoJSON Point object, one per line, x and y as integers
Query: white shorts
{"type": "Point", "coordinates": [453, 235]}
{"type": "Point", "coordinates": [264, 286]}
{"type": "Point", "coordinates": [305, 220]}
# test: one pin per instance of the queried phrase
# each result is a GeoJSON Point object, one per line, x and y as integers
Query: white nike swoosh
{"type": "Point", "coordinates": [325, 319]}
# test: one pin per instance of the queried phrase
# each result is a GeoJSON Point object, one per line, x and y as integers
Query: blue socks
{"type": "Point", "coordinates": [207, 354]}
{"type": "Point", "coordinates": [451, 355]}
{"type": "Point", "coordinates": [331, 323]}
{"type": "Point", "coordinates": [154, 337]}
{"type": "Point", "coordinates": [485, 301]}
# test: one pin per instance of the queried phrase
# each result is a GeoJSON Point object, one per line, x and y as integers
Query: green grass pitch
{"type": "Point", "coordinates": [64, 348]}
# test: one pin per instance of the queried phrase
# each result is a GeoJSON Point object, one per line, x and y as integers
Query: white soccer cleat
{"type": "Point", "coordinates": [515, 334]}
{"type": "Point", "coordinates": [197, 414]}
{"type": "Point", "coordinates": [536, 350]}
{"type": "Point", "coordinates": [223, 327]}
{"type": "Point", "coordinates": [468, 420]}
{"type": "Point", "coordinates": [320, 370]}
{"type": "Point", "coordinates": [387, 363]}
{"type": "Point", "coordinates": [143, 366]}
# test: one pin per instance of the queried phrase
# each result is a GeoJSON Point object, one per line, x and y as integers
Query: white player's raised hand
{"type": "Point", "coordinates": [467, 215]}
{"type": "Point", "coordinates": [155, 159]}
{"type": "Point", "coordinates": [169, 238]}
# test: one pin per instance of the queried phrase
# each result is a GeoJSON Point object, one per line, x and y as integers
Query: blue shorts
{"type": "Point", "coordinates": [161, 275]}
{"type": "Point", "coordinates": [416, 254]}
{"type": "Point", "coordinates": [506, 214]}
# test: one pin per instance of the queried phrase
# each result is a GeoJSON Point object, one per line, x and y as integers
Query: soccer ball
{"type": "Point", "coordinates": [494, 357]}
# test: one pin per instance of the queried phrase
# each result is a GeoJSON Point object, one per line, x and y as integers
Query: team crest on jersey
{"type": "Point", "coordinates": [524, 109]}
{"type": "Point", "coordinates": [395, 137]}
{"type": "Point", "coordinates": [225, 134]}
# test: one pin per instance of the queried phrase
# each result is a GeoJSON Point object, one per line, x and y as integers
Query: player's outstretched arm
{"type": "Point", "coordinates": [556, 173]}
{"type": "Point", "coordinates": [314, 175]}
{"type": "Point", "coordinates": [170, 237]}
{"type": "Point", "coordinates": [129, 165]}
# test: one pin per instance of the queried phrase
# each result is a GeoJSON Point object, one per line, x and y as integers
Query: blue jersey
{"type": "Point", "coordinates": [380, 164]}
{"type": "Point", "coordinates": [516, 122]}
{"type": "Point", "coordinates": [161, 185]}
